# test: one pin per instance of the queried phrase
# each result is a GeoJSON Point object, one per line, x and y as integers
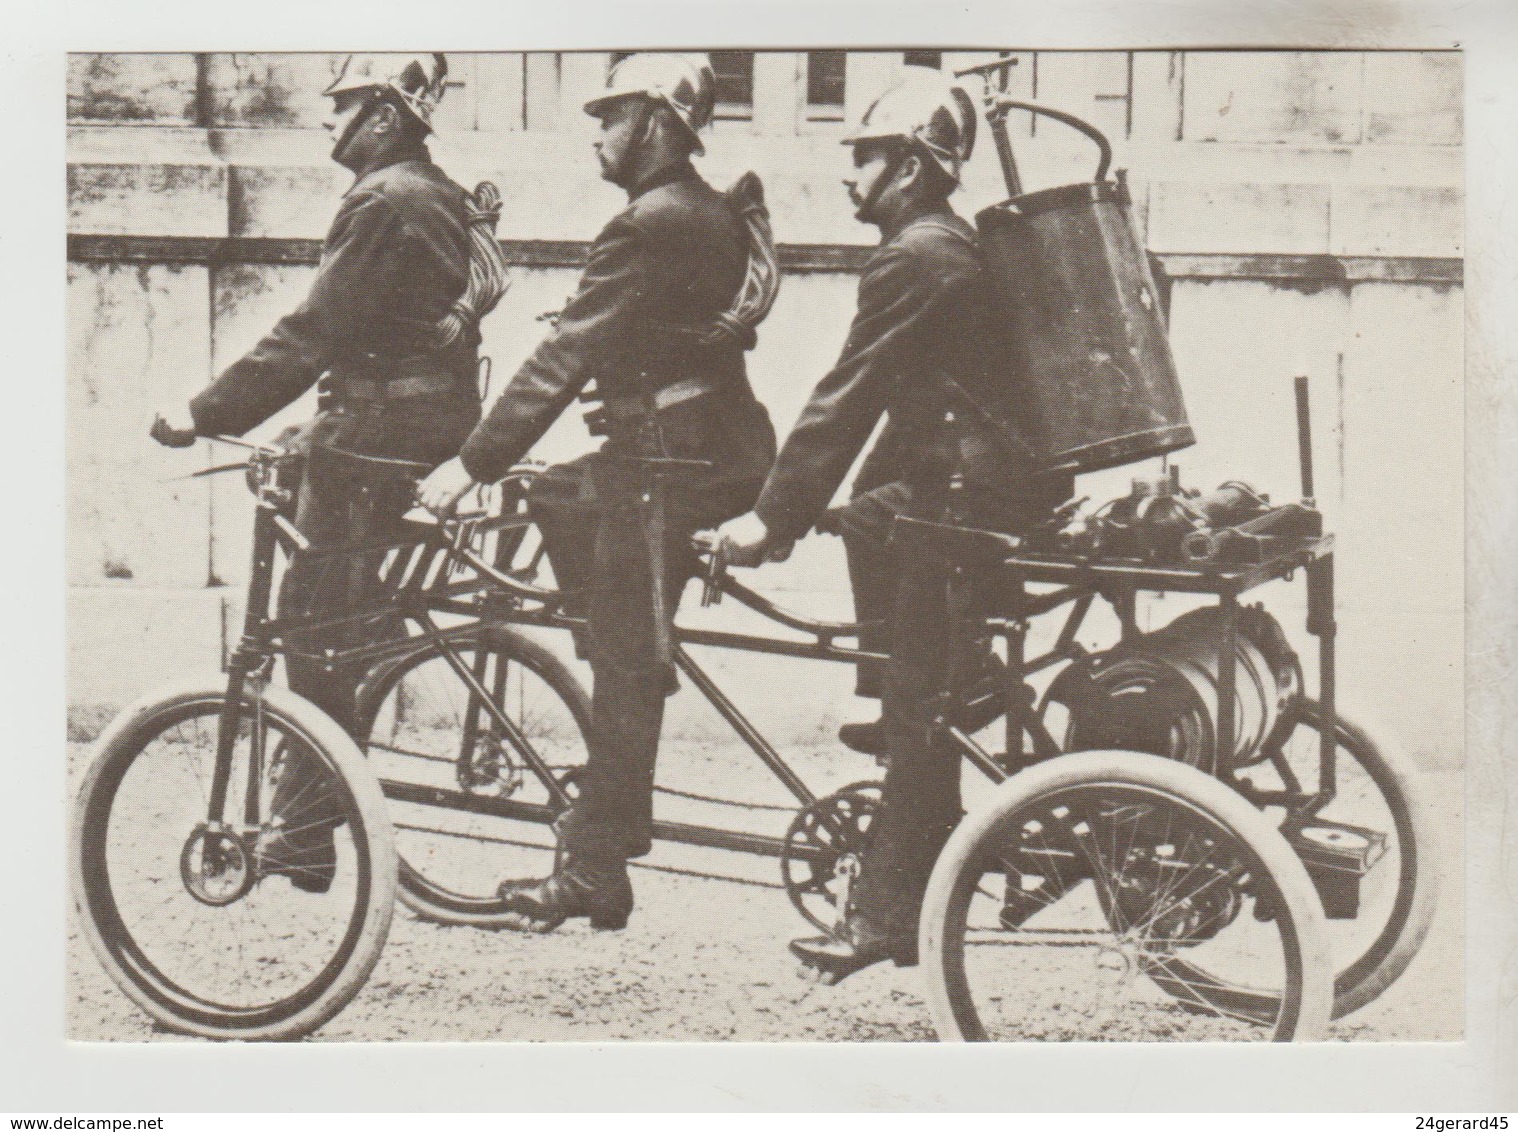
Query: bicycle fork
{"type": "Point", "coordinates": [247, 674]}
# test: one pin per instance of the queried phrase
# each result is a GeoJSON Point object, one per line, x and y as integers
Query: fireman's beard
{"type": "Point", "coordinates": [342, 144]}
{"type": "Point", "coordinates": [867, 203]}
{"type": "Point", "coordinates": [620, 162]}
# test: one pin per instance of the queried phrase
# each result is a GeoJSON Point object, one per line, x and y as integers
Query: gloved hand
{"type": "Point", "coordinates": [174, 427]}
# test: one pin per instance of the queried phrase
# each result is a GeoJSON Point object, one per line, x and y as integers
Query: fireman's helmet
{"type": "Point", "coordinates": [684, 83]}
{"type": "Point", "coordinates": [414, 81]}
{"type": "Point", "coordinates": [927, 107]}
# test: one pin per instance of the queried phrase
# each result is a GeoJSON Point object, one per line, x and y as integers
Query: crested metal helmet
{"type": "Point", "coordinates": [925, 107]}
{"type": "Point", "coordinates": [684, 83]}
{"type": "Point", "coordinates": [415, 81]}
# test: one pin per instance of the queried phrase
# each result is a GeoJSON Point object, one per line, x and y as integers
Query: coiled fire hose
{"type": "Point", "coordinates": [761, 283]}
{"type": "Point", "coordinates": [487, 269]}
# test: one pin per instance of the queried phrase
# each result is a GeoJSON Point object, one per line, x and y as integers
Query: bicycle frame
{"type": "Point", "coordinates": [423, 581]}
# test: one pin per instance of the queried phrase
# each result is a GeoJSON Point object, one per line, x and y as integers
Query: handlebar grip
{"type": "Point", "coordinates": [292, 532]}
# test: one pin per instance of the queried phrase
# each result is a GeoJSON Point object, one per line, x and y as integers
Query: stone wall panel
{"type": "Point", "coordinates": [285, 200]}
{"type": "Point", "coordinates": [1414, 98]}
{"type": "Point", "coordinates": [132, 88]}
{"type": "Point", "coordinates": [1094, 85]}
{"type": "Point", "coordinates": [1241, 219]}
{"type": "Point", "coordinates": [125, 640]}
{"type": "Point", "coordinates": [1310, 97]}
{"type": "Point", "coordinates": [268, 89]}
{"type": "Point", "coordinates": [1402, 561]}
{"type": "Point", "coordinates": [1407, 220]}
{"type": "Point", "coordinates": [137, 340]}
{"type": "Point", "coordinates": [147, 199]}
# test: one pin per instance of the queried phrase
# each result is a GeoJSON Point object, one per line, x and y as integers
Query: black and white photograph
{"type": "Point", "coordinates": [560, 544]}
{"type": "Point", "coordinates": [693, 556]}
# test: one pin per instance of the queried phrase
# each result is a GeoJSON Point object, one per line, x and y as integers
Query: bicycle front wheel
{"type": "Point", "coordinates": [195, 915]}
{"type": "Point", "coordinates": [1116, 896]}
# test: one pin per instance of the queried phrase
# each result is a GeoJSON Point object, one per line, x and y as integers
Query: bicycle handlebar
{"type": "Point", "coordinates": [251, 445]}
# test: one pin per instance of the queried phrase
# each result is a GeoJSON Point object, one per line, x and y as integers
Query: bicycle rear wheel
{"type": "Point", "coordinates": [1379, 921]}
{"type": "Point", "coordinates": [1115, 896]}
{"type": "Point", "coordinates": [189, 915]}
{"type": "Point", "coordinates": [468, 806]}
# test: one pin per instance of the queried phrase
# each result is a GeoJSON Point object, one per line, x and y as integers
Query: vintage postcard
{"type": "Point", "coordinates": [1063, 396]}
{"type": "Point", "coordinates": [780, 538]}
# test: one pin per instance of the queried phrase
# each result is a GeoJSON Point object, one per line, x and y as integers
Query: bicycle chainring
{"type": "Point", "coordinates": [824, 851]}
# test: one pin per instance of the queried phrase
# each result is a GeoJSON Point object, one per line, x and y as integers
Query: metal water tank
{"type": "Point", "coordinates": [1089, 381]}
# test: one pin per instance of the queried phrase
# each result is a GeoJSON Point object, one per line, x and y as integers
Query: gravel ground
{"type": "Point", "coordinates": [701, 960]}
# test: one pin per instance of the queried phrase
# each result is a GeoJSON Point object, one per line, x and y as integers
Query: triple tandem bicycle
{"type": "Point", "coordinates": [1170, 886]}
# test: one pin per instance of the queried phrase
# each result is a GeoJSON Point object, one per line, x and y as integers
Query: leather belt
{"type": "Point", "coordinates": [398, 389]}
{"type": "Point", "coordinates": [624, 408]}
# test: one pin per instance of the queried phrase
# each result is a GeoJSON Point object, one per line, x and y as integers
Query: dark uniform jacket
{"type": "Point", "coordinates": [393, 263]}
{"type": "Point", "coordinates": [658, 274]}
{"type": "Point", "coordinates": [920, 319]}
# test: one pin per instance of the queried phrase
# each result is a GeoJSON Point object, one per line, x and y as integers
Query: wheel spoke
{"type": "Point", "coordinates": [452, 859]}
{"type": "Point", "coordinates": [173, 905]}
{"type": "Point", "coordinates": [1160, 946]}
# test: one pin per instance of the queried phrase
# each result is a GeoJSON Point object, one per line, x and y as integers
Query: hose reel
{"type": "Point", "coordinates": [1159, 694]}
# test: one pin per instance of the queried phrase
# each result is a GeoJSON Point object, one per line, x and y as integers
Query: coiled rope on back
{"type": "Point", "coordinates": [761, 282]}
{"type": "Point", "coordinates": [487, 269]}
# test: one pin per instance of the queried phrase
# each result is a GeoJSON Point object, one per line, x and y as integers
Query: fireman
{"type": "Point", "coordinates": [660, 276]}
{"type": "Point", "coordinates": [915, 351]}
{"type": "Point", "coordinates": [390, 326]}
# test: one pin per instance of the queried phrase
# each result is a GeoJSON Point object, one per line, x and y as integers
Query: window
{"type": "Point", "coordinates": [735, 83]}
{"type": "Point", "coordinates": [825, 85]}
{"type": "Point", "coordinates": [932, 59]}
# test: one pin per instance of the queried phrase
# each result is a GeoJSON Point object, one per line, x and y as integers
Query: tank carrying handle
{"type": "Point", "coordinates": [1000, 106]}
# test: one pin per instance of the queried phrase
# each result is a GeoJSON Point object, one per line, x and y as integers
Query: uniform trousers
{"type": "Point", "coordinates": [936, 621]}
{"type": "Point", "coordinates": [343, 503]}
{"type": "Point", "coordinates": [865, 525]}
{"type": "Point", "coordinates": [592, 517]}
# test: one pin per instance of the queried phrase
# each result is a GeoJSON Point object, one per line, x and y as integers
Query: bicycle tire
{"type": "Point", "coordinates": [1416, 901]}
{"type": "Point", "coordinates": [122, 955]}
{"type": "Point", "coordinates": [417, 888]}
{"type": "Point", "coordinates": [1307, 996]}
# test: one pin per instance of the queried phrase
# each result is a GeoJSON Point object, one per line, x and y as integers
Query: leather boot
{"type": "Point", "coordinates": [307, 856]}
{"type": "Point", "coordinates": [857, 945]}
{"type": "Point", "coordinates": [866, 738]}
{"type": "Point", "coordinates": [300, 845]}
{"type": "Point", "coordinates": [601, 891]}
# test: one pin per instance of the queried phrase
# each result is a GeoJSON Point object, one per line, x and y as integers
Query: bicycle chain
{"type": "Point", "coordinates": [723, 801]}
{"type": "Point", "coordinates": [672, 870]}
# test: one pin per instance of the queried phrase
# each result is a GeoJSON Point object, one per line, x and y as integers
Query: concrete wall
{"type": "Point", "coordinates": [1307, 205]}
